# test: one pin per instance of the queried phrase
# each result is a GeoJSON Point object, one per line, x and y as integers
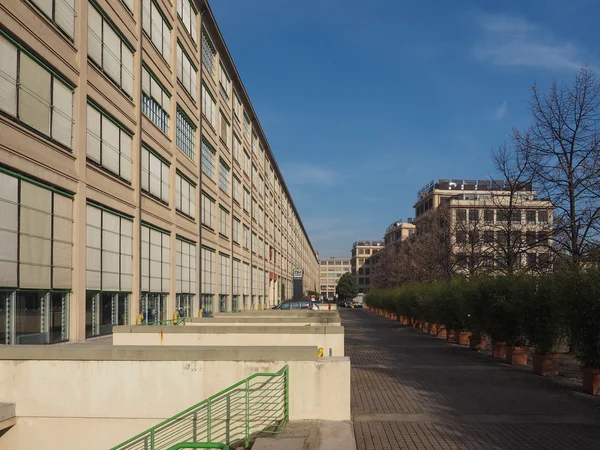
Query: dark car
{"type": "Point", "coordinates": [345, 304]}
{"type": "Point", "coordinates": [297, 304]}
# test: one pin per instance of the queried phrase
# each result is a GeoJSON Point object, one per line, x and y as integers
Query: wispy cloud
{"type": "Point", "coordinates": [500, 112]}
{"type": "Point", "coordinates": [305, 173]}
{"type": "Point", "coordinates": [513, 41]}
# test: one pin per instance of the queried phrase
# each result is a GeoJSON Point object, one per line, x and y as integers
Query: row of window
{"type": "Point", "coordinates": [513, 238]}
{"type": "Point", "coordinates": [531, 216]}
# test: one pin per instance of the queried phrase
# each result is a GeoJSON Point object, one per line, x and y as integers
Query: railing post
{"type": "Point", "coordinates": [287, 393]}
{"type": "Point", "coordinates": [247, 437]}
{"type": "Point", "coordinates": [152, 439]}
{"type": "Point", "coordinates": [208, 421]}
{"type": "Point", "coordinates": [195, 427]}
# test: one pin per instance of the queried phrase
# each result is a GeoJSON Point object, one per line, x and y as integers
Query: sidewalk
{"type": "Point", "coordinates": [415, 391]}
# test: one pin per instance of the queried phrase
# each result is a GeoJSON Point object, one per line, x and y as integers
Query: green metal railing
{"type": "Point", "coordinates": [180, 321]}
{"type": "Point", "coordinates": [257, 404]}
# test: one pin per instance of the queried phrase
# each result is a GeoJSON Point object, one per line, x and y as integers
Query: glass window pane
{"type": "Point", "coordinates": [34, 95]}
{"type": "Point", "coordinates": [8, 77]}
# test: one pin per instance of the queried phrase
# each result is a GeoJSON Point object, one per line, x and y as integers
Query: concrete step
{"type": "Point", "coordinates": [310, 435]}
{"type": "Point", "coordinates": [280, 444]}
{"type": "Point", "coordinates": [7, 415]}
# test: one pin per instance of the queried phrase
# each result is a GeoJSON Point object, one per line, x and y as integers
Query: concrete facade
{"type": "Point", "coordinates": [361, 262]}
{"type": "Point", "coordinates": [331, 271]}
{"type": "Point", "coordinates": [138, 177]}
{"type": "Point", "coordinates": [148, 385]}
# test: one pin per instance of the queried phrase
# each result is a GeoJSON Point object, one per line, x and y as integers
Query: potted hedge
{"type": "Point", "coordinates": [477, 340]}
{"type": "Point", "coordinates": [545, 323]}
{"type": "Point", "coordinates": [583, 290]}
{"type": "Point", "coordinates": [500, 315]}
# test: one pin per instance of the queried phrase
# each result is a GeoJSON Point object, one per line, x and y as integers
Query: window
{"type": "Point", "coordinates": [225, 273]}
{"type": "Point", "coordinates": [237, 188]}
{"type": "Point", "coordinates": [155, 174]}
{"type": "Point", "coordinates": [208, 279]}
{"type": "Point", "coordinates": [157, 28]}
{"type": "Point", "coordinates": [185, 195]}
{"type": "Point", "coordinates": [109, 269]}
{"type": "Point", "coordinates": [542, 216]}
{"type": "Point", "coordinates": [253, 242]}
{"type": "Point", "coordinates": [109, 50]}
{"type": "Point", "coordinates": [461, 215]}
{"type": "Point", "coordinates": [260, 217]}
{"type": "Point", "coordinates": [488, 215]}
{"type": "Point", "coordinates": [224, 83]}
{"type": "Point", "coordinates": [186, 134]}
{"type": "Point", "coordinates": [45, 101]}
{"type": "Point", "coordinates": [185, 278]}
{"type": "Point", "coordinates": [225, 126]}
{"type": "Point", "coordinates": [209, 107]}
{"type": "Point", "coordinates": [237, 149]}
{"type": "Point", "coordinates": [254, 176]}
{"type": "Point", "coordinates": [223, 222]}
{"type": "Point", "coordinates": [36, 231]}
{"type": "Point", "coordinates": [530, 237]}
{"type": "Point", "coordinates": [254, 212]}
{"type": "Point", "coordinates": [245, 242]}
{"type": "Point", "coordinates": [246, 200]}
{"type": "Point", "coordinates": [208, 159]}
{"type": "Point", "coordinates": [108, 142]}
{"type": "Point", "coordinates": [255, 144]}
{"type": "Point", "coordinates": [237, 106]}
{"type": "Point", "coordinates": [531, 260]}
{"type": "Point", "coordinates": [473, 215]}
{"type": "Point", "coordinates": [61, 12]}
{"type": "Point", "coordinates": [186, 72]}
{"type": "Point", "coordinates": [237, 290]}
{"type": "Point", "coordinates": [223, 176]}
{"type": "Point", "coordinates": [246, 163]}
{"type": "Point", "coordinates": [208, 211]}
{"type": "Point", "coordinates": [187, 13]}
{"type": "Point", "coordinates": [488, 237]}
{"type": "Point", "coordinates": [236, 230]}
{"type": "Point", "coordinates": [246, 127]}
{"type": "Point", "coordinates": [208, 53]}
{"type": "Point", "coordinates": [530, 216]}
{"type": "Point", "coordinates": [155, 100]}
{"type": "Point", "coordinates": [260, 248]}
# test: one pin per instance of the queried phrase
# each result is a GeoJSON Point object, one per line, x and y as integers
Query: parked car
{"type": "Point", "coordinates": [357, 304]}
{"type": "Point", "coordinates": [297, 304]}
{"type": "Point", "coordinates": [344, 303]}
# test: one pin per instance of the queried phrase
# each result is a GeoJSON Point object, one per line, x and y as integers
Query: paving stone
{"type": "Point", "coordinates": [415, 391]}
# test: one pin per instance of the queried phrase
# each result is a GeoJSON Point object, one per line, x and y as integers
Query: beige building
{"type": "Point", "coordinates": [332, 270]}
{"type": "Point", "coordinates": [361, 262]}
{"type": "Point", "coordinates": [492, 224]}
{"type": "Point", "coordinates": [397, 233]}
{"type": "Point", "coordinates": [136, 176]}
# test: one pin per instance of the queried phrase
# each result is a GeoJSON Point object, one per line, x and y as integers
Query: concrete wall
{"type": "Point", "coordinates": [326, 337]}
{"type": "Point", "coordinates": [97, 398]}
{"type": "Point", "coordinates": [236, 321]}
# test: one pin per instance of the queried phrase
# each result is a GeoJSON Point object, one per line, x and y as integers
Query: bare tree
{"type": "Point", "coordinates": [562, 150]}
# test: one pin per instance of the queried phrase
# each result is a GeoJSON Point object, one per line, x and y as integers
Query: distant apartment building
{"type": "Point", "coordinates": [361, 262]}
{"type": "Point", "coordinates": [332, 270]}
{"type": "Point", "coordinates": [136, 177]}
{"type": "Point", "coordinates": [397, 233]}
{"type": "Point", "coordinates": [492, 223]}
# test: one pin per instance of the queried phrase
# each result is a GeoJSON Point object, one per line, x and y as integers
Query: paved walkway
{"type": "Point", "coordinates": [414, 391]}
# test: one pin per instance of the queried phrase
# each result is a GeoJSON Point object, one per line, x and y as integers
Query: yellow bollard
{"type": "Point", "coordinates": [200, 312]}
{"type": "Point", "coordinates": [175, 317]}
{"type": "Point", "coordinates": [139, 319]}
{"type": "Point", "coordinates": [320, 354]}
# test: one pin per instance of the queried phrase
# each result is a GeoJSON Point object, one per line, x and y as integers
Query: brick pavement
{"type": "Point", "coordinates": [414, 391]}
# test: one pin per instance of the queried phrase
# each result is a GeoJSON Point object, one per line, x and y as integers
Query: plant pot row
{"type": "Point", "coordinates": [544, 365]}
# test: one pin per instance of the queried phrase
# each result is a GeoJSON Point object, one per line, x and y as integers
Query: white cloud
{"type": "Point", "coordinates": [513, 41]}
{"type": "Point", "coordinates": [305, 173]}
{"type": "Point", "coordinates": [500, 112]}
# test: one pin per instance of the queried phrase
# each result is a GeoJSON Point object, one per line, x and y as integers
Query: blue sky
{"type": "Point", "coordinates": [363, 103]}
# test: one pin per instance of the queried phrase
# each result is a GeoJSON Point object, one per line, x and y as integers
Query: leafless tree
{"type": "Point", "coordinates": [563, 154]}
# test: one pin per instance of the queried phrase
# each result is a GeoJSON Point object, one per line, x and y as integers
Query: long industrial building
{"type": "Point", "coordinates": [135, 177]}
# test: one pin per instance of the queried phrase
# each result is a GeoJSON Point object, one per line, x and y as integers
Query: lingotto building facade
{"type": "Point", "coordinates": [136, 178]}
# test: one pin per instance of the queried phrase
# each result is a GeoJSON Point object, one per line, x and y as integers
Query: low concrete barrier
{"type": "Point", "coordinates": [234, 320]}
{"type": "Point", "coordinates": [326, 337]}
{"type": "Point", "coordinates": [77, 396]}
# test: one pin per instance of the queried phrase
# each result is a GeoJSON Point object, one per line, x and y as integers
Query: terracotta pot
{"type": "Point", "coordinates": [433, 329]}
{"type": "Point", "coordinates": [591, 380]}
{"type": "Point", "coordinates": [477, 343]}
{"type": "Point", "coordinates": [415, 324]}
{"type": "Point", "coordinates": [442, 332]}
{"type": "Point", "coordinates": [463, 337]}
{"type": "Point", "coordinates": [546, 365]}
{"type": "Point", "coordinates": [425, 326]}
{"type": "Point", "coordinates": [499, 350]}
{"type": "Point", "coordinates": [451, 335]}
{"type": "Point", "coordinates": [517, 356]}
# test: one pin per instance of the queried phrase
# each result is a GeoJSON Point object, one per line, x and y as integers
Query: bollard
{"type": "Point", "coordinates": [329, 306]}
{"type": "Point", "coordinates": [320, 354]}
{"type": "Point", "coordinates": [330, 352]}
